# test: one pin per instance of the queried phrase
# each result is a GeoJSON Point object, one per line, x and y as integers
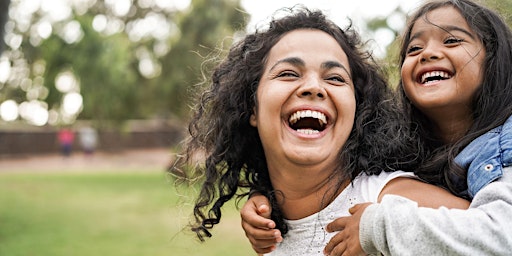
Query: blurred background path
{"type": "Point", "coordinates": [155, 158]}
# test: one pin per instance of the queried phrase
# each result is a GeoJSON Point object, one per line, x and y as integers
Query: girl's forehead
{"type": "Point", "coordinates": [446, 18]}
{"type": "Point", "coordinates": [441, 17]}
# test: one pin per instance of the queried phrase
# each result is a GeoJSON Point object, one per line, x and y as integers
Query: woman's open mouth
{"type": "Point", "coordinates": [308, 121]}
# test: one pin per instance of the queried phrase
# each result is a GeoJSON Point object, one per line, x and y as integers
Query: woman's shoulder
{"type": "Point", "coordinates": [382, 177]}
{"type": "Point", "coordinates": [370, 186]}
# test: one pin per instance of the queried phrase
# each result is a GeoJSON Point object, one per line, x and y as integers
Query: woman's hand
{"type": "Point", "coordinates": [258, 227]}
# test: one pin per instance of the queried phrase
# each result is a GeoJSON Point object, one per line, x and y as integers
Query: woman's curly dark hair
{"type": "Point", "coordinates": [492, 103]}
{"type": "Point", "coordinates": [233, 154]}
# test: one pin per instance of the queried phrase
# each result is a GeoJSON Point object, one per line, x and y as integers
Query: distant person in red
{"type": "Point", "coordinates": [66, 138]}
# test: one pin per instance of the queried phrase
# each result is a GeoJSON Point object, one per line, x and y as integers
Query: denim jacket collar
{"type": "Point", "coordinates": [485, 157]}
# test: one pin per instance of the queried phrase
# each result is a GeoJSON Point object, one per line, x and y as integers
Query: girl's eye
{"type": "Point", "coordinates": [413, 49]}
{"type": "Point", "coordinates": [453, 40]}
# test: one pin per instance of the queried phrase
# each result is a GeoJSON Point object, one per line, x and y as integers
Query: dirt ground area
{"type": "Point", "coordinates": [158, 158]}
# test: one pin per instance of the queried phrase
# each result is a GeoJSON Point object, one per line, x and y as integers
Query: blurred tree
{"type": "Point", "coordinates": [109, 60]}
{"type": "Point", "coordinates": [102, 66]}
{"type": "Point", "coordinates": [207, 29]}
{"type": "Point", "coordinates": [504, 7]}
{"type": "Point", "coordinates": [4, 8]}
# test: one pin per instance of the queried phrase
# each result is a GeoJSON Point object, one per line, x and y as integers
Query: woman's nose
{"type": "Point", "coordinates": [312, 87]}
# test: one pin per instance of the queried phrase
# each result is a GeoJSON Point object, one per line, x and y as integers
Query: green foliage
{"type": "Point", "coordinates": [107, 64]}
{"type": "Point", "coordinates": [504, 7]}
{"type": "Point", "coordinates": [207, 29]}
{"type": "Point", "coordinates": [107, 80]}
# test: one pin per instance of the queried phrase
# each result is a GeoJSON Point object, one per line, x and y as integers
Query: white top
{"type": "Point", "coordinates": [307, 236]}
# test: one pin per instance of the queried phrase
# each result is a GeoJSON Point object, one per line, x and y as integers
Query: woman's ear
{"type": "Point", "coordinates": [253, 120]}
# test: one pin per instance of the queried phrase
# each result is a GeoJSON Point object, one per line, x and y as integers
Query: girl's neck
{"type": "Point", "coordinates": [451, 131]}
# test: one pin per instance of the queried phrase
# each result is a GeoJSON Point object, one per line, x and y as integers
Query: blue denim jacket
{"type": "Point", "coordinates": [486, 156]}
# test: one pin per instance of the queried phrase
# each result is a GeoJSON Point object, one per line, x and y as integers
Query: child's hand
{"type": "Point", "coordinates": [258, 227]}
{"type": "Point", "coordinates": [346, 242]}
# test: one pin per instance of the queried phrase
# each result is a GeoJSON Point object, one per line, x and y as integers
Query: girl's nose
{"type": "Point", "coordinates": [429, 58]}
{"type": "Point", "coordinates": [430, 53]}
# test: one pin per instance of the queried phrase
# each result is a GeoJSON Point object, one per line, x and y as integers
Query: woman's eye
{"type": "Point", "coordinates": [287, 74]}
{"type": "Point", "coordinates": [338, 79]}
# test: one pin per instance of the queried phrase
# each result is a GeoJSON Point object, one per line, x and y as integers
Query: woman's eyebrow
{"type": "Point", "coordinates": [335, 64]}
{"type": "Point", "coordinates": [291, 60]}
{"type": "Point", "coordinates": [296, 61]}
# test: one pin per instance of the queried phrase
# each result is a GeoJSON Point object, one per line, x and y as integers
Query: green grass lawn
{"type": "Point", "coordinates": [110, 213]}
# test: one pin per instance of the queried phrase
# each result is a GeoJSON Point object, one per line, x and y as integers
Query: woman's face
{"type": "Point", "coordinates": [443, 66]}
{"type": "Point", "coordinates": [306, 102]}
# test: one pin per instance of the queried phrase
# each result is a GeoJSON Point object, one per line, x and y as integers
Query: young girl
{"type": "Point", "coordinates": [299, 111]}
{"type": "Point", "coordinates": [455, 61]}
{"type": "Point", "coordinates": [456, 79]}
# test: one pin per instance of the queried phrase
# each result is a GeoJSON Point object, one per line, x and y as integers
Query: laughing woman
{"type": "Point", "coordinates": [299, 113]}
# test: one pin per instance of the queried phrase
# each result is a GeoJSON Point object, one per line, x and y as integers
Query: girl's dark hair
{"type": "Point", "coordinates": [233, 154]}
{"type": "Point", "coordinates": [492, 103]}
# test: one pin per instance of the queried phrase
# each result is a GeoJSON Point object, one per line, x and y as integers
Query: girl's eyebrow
{"type": "Point", "coordinates": [447, 28]}
{"type": "Point", "coordinates": [414, 36]}
{"type": "Point", "coordinates": [299, 62]}
{"type": "Point", "coordinates": [451, 28]}
{"type": "Point", "coordinates": [455, 28]}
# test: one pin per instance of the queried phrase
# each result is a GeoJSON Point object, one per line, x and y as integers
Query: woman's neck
{"type": "Point", "coordinates": [301, 196]}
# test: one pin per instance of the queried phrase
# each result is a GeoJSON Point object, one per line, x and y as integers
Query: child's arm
{"type": "Point", "coordinates": [347, 241]}
{"type": "Point", "coordinates": [483, 229]}
{"type": "Point", "coordinates": [426, 195]}
{"type": "Point", "coordinates": [258, 227]}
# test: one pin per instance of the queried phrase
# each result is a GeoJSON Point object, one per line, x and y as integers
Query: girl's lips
{"type": "Point", "coordinates": [433, 75]}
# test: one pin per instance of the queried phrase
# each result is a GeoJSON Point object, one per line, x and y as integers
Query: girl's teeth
{"type": "Point", "coordinates": [427, 75]}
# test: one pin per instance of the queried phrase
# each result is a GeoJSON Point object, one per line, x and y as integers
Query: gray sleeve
{"type": "Point", "coordinates": [397, 226]}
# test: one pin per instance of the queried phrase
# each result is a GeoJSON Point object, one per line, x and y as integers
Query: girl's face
{"type": "Point", "coordinates": [305, 102]}
{"type": "Point", "coordinates": [443, 66]}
